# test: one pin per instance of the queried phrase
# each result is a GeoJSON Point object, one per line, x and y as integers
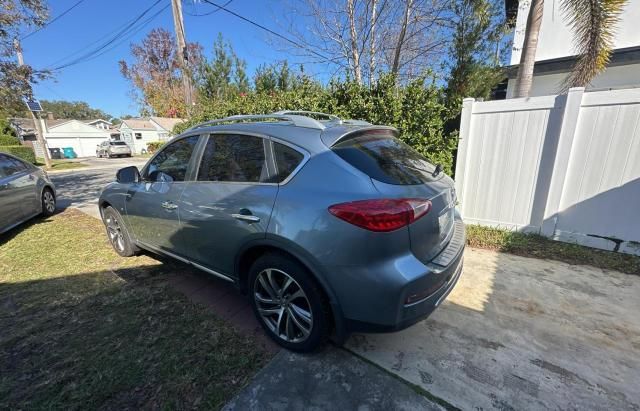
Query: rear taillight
{"type": "Point", "coordinates": [382, 214]}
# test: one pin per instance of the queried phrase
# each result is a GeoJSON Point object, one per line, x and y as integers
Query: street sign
{"type": "Point", "coordinates": [34, 105]}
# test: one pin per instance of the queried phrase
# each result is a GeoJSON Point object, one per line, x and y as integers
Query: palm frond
{"type": "Point", "coordinates": [593, 23]}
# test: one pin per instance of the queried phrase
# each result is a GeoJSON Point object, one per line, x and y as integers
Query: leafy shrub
{"type": "Point", "coordinates": [153, 146]}
{"type": "Point", "coordinates": [416, 109]}
{"type": "Point", "coordinates": [7, 140]}
{"type": "Point", "coordinates": [24, 152]}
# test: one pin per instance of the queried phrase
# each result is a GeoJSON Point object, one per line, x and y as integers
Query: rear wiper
{"type": "Point", "coordinates": [437, 171]}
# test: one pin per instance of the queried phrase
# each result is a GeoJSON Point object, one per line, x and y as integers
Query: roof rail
{"type": "Point", "coordinates": [308, 114]}
{"type": "Point", "coordinates": [299, 121]}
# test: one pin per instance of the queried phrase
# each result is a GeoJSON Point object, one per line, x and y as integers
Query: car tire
{"type": "Point", "coordinates": [48, 200]}
{"type": "Point", "coordinates": [288, 303]}
{"type": "Point", "coordinates": [118, 234]}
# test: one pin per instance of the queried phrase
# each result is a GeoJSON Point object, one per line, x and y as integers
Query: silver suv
{"type": "Point", "coordinates": [330, 226]}
{"type": "Point", "coordinates": [113, 149]}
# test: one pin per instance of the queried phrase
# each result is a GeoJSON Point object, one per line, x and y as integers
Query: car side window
{"type": "Point", "coordinates": [171, 164]}
{"type": "Point", "coordinates": [287, 159]}
{"type": "Point", "coordinates": [10, 166]}
{"type": "Point", "coordinates": [234, 158]}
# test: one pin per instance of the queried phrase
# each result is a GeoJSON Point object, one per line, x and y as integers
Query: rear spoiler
{"type": "Point", "coordinates": [366, 130]}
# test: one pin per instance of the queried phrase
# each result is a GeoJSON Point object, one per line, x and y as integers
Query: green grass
{"type": "Point", "coordinates": [60, 164]}
{"type": "Point", "coordinates": [533, 245]}
{"type": "Point", "coordinates": [81, 327]}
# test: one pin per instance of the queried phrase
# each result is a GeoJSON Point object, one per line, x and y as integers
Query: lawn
{"type": "Point", "coordinates": [61, 164]}
{"type": "Point", "coordinates": [81, 327]}
{"type": "Point", "coordinates": [532, 245]}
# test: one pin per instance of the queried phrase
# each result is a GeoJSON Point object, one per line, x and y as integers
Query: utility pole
{"type": "Point", "coordinates": [36, 119]}
{"type": "Point", "coordinates": [183, 55]}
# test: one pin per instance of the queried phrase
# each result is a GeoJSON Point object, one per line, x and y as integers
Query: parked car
{"type": "Point", "coordinates": [331, 226]}
{"type": "Point", "coordinates": [25, 192]}
{"type": "Point", "coordinates": [113, 149]}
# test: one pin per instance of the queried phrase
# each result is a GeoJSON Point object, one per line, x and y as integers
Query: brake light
{"type": "Point", "coordinates": [382, 215]}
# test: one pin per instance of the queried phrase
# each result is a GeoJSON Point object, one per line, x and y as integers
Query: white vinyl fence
{"type": "Point", "coordinates": [566, 166]}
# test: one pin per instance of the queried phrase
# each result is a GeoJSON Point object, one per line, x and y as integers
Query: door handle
{"type": "Point", "coordinates": [246, 217]}
{"type": "Point", "coordinates": [169, 205]}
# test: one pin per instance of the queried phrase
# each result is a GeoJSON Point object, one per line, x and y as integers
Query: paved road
{"type": "Point", "coordinates": [80, 188]}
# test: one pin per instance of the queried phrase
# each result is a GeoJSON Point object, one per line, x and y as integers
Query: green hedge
{"type": "Point", "coordinates": [6, 140]}
{"type": "Point", "coordinates": [24, 152]}
{"type": "Point", "coordinates": [415, 108]}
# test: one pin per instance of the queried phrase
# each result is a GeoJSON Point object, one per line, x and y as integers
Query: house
{"type": "Point", "coordinates": [81, 135]}
{"type": "Point", "coordinates": [556, 53]}
{"type": "Point", "coordinates": [138, 132]}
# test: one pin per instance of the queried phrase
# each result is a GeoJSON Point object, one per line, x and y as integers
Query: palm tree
{"type": "Point", "coordinates": [593, 23]}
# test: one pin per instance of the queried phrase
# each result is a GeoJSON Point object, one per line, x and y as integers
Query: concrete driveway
{"type": "Point", "coordinates": [523, 333]}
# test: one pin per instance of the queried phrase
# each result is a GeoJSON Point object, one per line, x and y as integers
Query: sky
{"type": "Point", "coordinates": [99, 82]}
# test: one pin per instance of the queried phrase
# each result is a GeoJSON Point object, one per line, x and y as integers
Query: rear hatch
{"type": "Point", "coordinates": [398, 171]}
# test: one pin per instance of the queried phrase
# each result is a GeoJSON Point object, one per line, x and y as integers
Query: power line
{"type": "Point", "coordinates": [52, 20]}
{"type": "Point", "coordinates": [128, 30]}
{"type": "Point", "coordinates": [270, 31]}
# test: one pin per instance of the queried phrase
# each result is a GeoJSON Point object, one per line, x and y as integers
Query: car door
{"type": "Point", "coordinates": [17, 191]}
{"type": "Point", "coordinates": [230, 202]}
{"type": "Point", "coordinates": [151, 205]}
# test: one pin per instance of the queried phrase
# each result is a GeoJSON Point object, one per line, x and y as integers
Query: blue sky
{"type": "Point", "coordinates": [99, 82]}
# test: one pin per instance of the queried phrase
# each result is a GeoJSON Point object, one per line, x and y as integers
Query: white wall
{"type": "Point", "coordinates": [556, 37]}
{"type": "Point", "coordinates": [613, 77]}
{"type": "Point", "coordinates": [564, 166]}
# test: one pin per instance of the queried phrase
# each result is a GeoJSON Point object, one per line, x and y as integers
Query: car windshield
{"type": "Point", "coordinates": [118, 143]}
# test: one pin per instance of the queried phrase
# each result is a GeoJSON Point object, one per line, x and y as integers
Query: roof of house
{"type": "Point", "coordinates": [139, 123]}
{"type": "Point", "coordinates": [166, 122]}
{"type": "Point", "coordinates": [26, 124]}
{"type": "Point", "coordinates": [95, 121]}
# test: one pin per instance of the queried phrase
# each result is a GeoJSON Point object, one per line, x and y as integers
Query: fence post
{"type": "Point", "coordinates": [463, 142]}
{"type": "Point", "coordinates": [561, 163]}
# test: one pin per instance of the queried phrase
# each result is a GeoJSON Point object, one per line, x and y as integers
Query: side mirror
{"type": "Point", "coordinates": [128, 175]}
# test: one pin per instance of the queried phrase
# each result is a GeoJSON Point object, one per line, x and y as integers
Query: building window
{"type": "Point", "coordinates": [138, 136]}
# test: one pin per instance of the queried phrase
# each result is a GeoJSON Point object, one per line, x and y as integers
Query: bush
{"type": "Point", "coordinates": [24, 152]}
{"type": "Point", "coordinates": [416, 109]}
{"type": "Point", "coordinates": [153, 146]}
{"type": "Point", "coordinates": [7, 140]}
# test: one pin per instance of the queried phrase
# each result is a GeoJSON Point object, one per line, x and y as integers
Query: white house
{"type": "Point", "coordinates": [556, 52]}
{"type": "Point", "coordinates": [138, 132]}
{"type": "Point", "coordinates": [81, 136]}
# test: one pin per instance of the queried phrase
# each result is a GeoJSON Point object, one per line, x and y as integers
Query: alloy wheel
{"type": "Point", "coordinates": [283, 305]}
{"type": "Point", "coordinates": [49, 201]}
{"type": "Point", "coordinates": [116, 236]}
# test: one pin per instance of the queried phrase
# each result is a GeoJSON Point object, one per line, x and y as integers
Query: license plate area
{"type": "Point", "coordinates": [445, 221]}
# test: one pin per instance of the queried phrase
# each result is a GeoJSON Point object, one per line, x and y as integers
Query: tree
{"type": "Point", "coordinates": [225, 74]}
{"type": "Point", "coordinates": [78, 110]}
{"type": "Point", "coordinates": [362, 38]}
{"type": "Point", "coordinates": [477, 40]}
{"type": "Point", "coordinates": [15, 81]}
{"type": "Point", "coordinates": [593, 23]}
{"type": "Point", "coordinates": [155, 74]}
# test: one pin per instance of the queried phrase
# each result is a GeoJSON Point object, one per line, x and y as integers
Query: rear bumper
{"type": "Point", "coordinates": [399, 293]}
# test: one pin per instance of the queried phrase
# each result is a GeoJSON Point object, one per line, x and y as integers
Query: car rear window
{"type": "Point", "coordinates": [118, 143]}
{"type": "Point", "coordinates": [380, 155]}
